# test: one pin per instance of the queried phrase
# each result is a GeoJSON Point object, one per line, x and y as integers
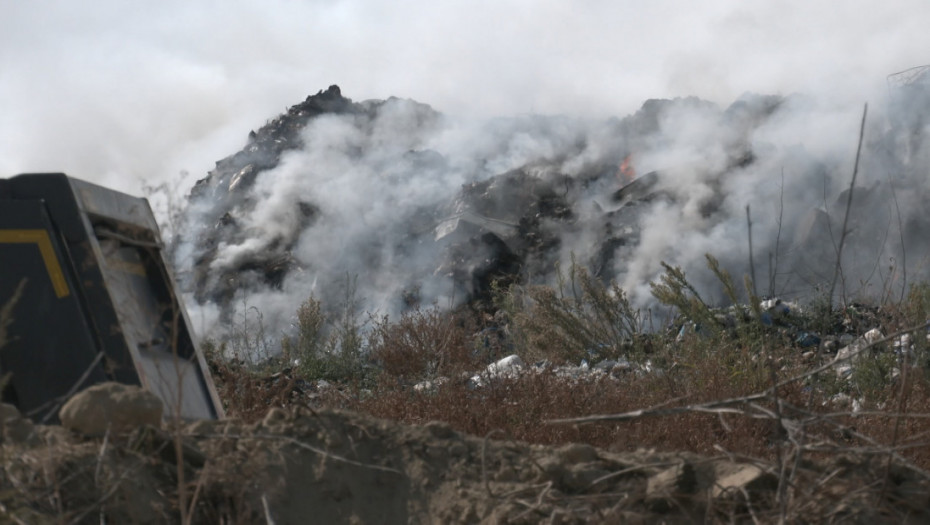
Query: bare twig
{"type": "Point", "coordinates": [773, 266]}
{"type": "Point", "coordinates": [58, 401]}
{"type": "Point", "coordinates": [201, 479]}
{"type": "Point", "coordinates": [752, 264]}
{"type": "Point", "coordinates": [7, 514]}
{"type": "Point", "coordinates": [781, 493]}
{"type": "Point", "coordinates": [634, 468]}
{"type": "Point", "coordinates": [902, 406]}
{"type": "Point", "coordinates": [103, 499]}
{"type": "Point", "coordinates": [897, 207]}
{"type": "Point", "coordinates": [484, 464]}
{"type": "Point", "coordinates": [100, 455]}
{"type": "Point", "coordinates": [877, 448]}
{"type": "Point", "coordinates": [268, 519]}
{"type": "Point", "coordinates": [6, 311]}
{"type": "Point", "coordinates": [849, 199]}
{"type": "Point", "coordinates": [305, 446]}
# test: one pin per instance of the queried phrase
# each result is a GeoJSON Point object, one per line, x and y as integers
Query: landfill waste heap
{"type": "Point", "coordinates": [387, 205]}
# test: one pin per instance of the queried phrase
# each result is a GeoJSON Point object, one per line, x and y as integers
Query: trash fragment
{"type": "Point", "coordinates": [807, 340]}
{"type": "Point", "coordinates": [508, 367]}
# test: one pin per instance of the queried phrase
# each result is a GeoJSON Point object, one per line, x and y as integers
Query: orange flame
{"type": "Point", "coordinates": [626, 170]}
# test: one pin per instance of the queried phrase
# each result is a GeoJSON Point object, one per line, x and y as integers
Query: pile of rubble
{"type": "Point", "coordinates": [507, 226]}
{"type": "Point", "coordinates": [265, 226]}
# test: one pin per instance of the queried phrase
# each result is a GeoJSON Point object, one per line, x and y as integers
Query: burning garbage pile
{"type": "Point", "coordinates": [388, 205]}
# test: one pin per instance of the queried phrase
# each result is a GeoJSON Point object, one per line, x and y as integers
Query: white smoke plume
{"type": "Point", "coordinates": [126, 95]}
{"type": "Point", "coordinates": [360, 201]}
{"type": "Point", "coordinates": [122, 93]}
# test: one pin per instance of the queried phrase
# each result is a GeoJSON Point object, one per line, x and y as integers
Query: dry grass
{"type": "Point", "coordinates": [724, 363]}
{"type": "Point", "coordinates": [425, 344]}
{"type": "Point", "coordinates": [787, 431]}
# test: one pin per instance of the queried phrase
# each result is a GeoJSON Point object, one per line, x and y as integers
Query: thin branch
{"type": "Point", "coordinates": [849, 199]}
{"type": "Point", "coordinates": [58, 401]}
{"type": "Point", "coordinates": [301, 444]}
{"type": "Point", "coordinates": [752, 265]}
{"type": "Point", "coordinates": [894, 197]}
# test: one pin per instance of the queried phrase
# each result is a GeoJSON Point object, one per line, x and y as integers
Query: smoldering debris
{"type": "Point", "coordinates": [390, 205]}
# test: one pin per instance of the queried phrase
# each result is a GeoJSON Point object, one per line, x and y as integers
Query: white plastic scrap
{"type": "Point", "coordinates": [848, 355]}
{"type": "Point", "coordinates": [430, 386]}
{"type": "Point", "coordinates": [874, 335]}
{"type": "Point", "coordinates": [778, 307]}
{"type": "Point", "coordinates": [510, 366]}
{"type": "Point", "coordinates": [842, 399]}
{"type": "Point", "coordinates": [903, 344]}
{"type": "Point", "coordinates": [610, 365]}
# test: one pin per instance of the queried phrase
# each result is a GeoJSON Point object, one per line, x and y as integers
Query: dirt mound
{"type": "Point", "coordinates": [305, 466]}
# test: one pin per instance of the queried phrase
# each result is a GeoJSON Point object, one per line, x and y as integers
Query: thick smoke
{"type": "Point", "coordinates": [118, 93]}
{"type": "Point", "coordinates": [405, 206]}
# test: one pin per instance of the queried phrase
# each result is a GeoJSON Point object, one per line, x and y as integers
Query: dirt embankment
{"type": "Point", "coordinates": [303, 466]}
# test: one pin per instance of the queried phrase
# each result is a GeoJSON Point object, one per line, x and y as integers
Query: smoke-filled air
{"type": "Point", "coordinates": [391, 205]}
{"type": "Point", "coordinates": [428, 155]}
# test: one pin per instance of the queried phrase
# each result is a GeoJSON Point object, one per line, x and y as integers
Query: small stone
{"type": "Point", "coordinates": [458, 449]}
{"type": "Point", "coordinates": [8, 411]}
{"type": "Point", "coordinates": [913, 494]}
{"type": "Point", "coordinates": [746, 477]}
{"type": "Point", "coordinates": [440, 429]}
{"type": "Point", "coordinates": [577, 453]}
{"type": "Point", "coordinates": [680, 479]}
{"type": "Point", "coordinates": [506, 475]}
{"type": "Point", "coordinates": [201, 427]}
{"type": "Point", "coordinates": [114, 406]}
{"type": "Point", "coordinates": [14, 427]}
{"type": "Point", "coordinates": [874, 335]}
{"type": "Point", "coordinates": [582, 478]}
{"type": "Point", "coordinates": [551, 469]}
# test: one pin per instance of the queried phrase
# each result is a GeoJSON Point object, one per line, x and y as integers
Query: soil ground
{"type": "Point", "coordinates": [305, 466]}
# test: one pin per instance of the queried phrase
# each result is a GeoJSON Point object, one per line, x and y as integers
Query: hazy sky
{"type": "Point", "coordinates": [117, 92]}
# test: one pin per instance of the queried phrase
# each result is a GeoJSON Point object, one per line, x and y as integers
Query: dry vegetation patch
{"type": "Point", "coordinates": [343, 467]}
{"type": "Point", "coordinates": [728, 422]}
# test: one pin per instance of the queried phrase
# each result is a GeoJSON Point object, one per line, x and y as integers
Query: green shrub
{"type": "Point", "coordinates": [326, 348]}
{"type": "Point", "coordinates": [872, 373]}
{"type": "Point", "coordinates": [580, 318]}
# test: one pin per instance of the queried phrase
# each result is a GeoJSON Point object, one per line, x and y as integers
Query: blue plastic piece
{"type": "Point", "coordinates": [807, 340]}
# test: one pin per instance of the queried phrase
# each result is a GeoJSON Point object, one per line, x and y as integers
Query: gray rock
{"type": "Point", "coordinates": [666, 487]}
{"type": "Point", "coordinates": [14, 427]}
{"type": "Point", "coordinates": [746, 478]}
{"type": "Point", "coordinates": [673, 481]}
{"type": "Point", "coordinates": [114, 406]}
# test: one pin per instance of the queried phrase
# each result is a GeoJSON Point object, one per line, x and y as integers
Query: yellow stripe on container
{"type": "Point", "coordinates": [44, 242]}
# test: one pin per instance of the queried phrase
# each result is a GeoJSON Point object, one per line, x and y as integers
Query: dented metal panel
{"type": "Point", "coordinates": [99, 302]}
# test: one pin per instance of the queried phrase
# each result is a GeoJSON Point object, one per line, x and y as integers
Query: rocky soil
{"type": "Point", "coordinates": [306, 466]}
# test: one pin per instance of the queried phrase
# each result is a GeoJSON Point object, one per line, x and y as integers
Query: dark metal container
{"type": "Point", "coordinates": [96, 300]}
